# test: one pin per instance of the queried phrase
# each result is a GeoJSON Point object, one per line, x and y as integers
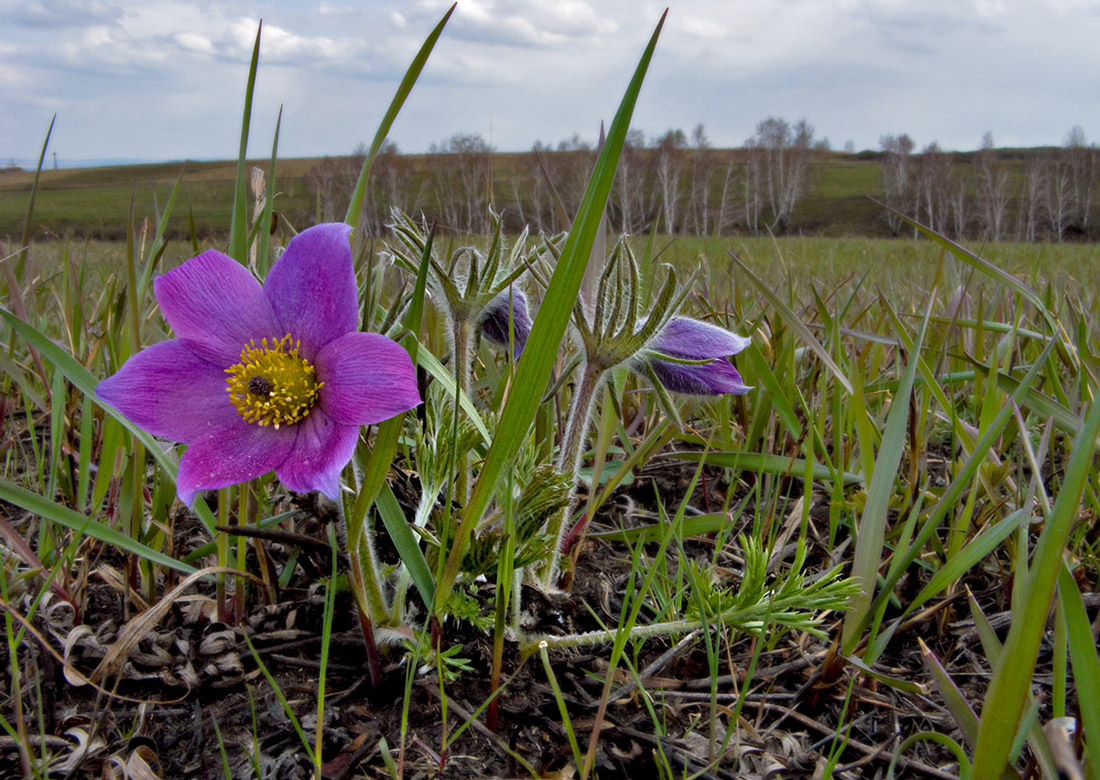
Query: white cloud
{"type": "Point", "coordinates": [524, 23]}
{"type": "Point", "coordinates": [333, 9]}
{"type": "Point", "coordinates": [703, 28]}
{"type": "Point", "coordinates": [159, 74]}
{"type": "Point", "coordinates": [57, 14]}
{"type": "Point", "coordinates": [194, 42]}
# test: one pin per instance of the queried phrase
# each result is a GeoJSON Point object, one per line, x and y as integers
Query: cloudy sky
{"type": "Point", "coordinates": [164, 79]}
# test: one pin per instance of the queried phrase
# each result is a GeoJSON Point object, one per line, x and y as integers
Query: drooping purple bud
{"type": "Point", "coordinates": [690, 339]}
{"type": "Point", "coordinates": [494, 320]}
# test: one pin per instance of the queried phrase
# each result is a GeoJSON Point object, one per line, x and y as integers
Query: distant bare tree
{"type": "Point", "coordinates": [959, 192]}
{"type": "Point", "coordinates": [784, 154]}
{"type": "Point", "coordinates": [1058, 200]}
{"type": "Point", "coordinates": [565, 172]}
{"type": "Point", "coordinates": [572, 165]}
{"type": "Point", "coordinates": [1032, 197]}
{"type": "Point", "coordinates": [332, 181]}
{"type": "Point", "coordinates": [728, 182]}
{"type": "Point", "coordinates": [991, 185]}
{"type": "Point", "coordinates": [536, 189]}
{"type": "Point", "coordinates": [391, 184]}
{"type": "Point", "coordinates": [670, 167]}
{"type": "Point", "coordinates": [629, 179]}
{"type": "Point", "coordinates": [1084, 170]}
{"type": "Point", "coordinates": [934, 187]}
{"type": "Point", "coordinates": [462, 185]}
{"type": "Point", "coordinates": [752, 189]}
{"type": "Point", "coordinates": [701, 169]}
{"type": "Point", "coordinates": [898, 178]}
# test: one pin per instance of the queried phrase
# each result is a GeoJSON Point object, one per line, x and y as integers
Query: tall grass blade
{"type": "Point", "coordinates": [263, 237]}
{"type": "Point", "coordinates": [765, 463]}
{"type": "Point", "coordinates": [794, 322]}
{"type": "Point", "coordinates": [956, 702]}
{"type": "Point", "coordinates": [1086, 665]}
{"type": "Point", "coordinates": [872, 523]}
{"type": "Point", "coordinates": [20, 264]}
{"type": "Point", "coordinates": [238, 228]}
{"type": "Point", "coordinates": [1012, 675]}
{"type": "Point", "coordinates": [62, 515]}
{"type": "Point", "coordinates": [156, 249]}
{"type": "Point", "coordinates": [83, 379]}
{"type": "Point", "coordinates": [541, 352]}
{"type": "Point", "coordinates": [962, 479]}
{"type": "Point", "coordinates": [406, 542]}
{"type": "Point", "coordinates": [1000, 275]}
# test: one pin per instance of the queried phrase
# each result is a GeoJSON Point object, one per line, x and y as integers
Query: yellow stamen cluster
{"type": "Point", "coordinates": [273, 385]}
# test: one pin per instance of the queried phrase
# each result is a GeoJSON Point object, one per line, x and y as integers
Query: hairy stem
{"type": "Point", "coordinates": [569, 461]}
{"type": "Point", "coordinates": [463, 338]}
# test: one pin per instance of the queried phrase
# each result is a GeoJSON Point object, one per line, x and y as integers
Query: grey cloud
{"type": "Point", "coordinates": [530, 25]}
{"type": "Point", "coordinates": [57, 14]}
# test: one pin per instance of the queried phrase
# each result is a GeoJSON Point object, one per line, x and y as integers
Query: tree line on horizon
{"type": "Point", "coordinates": [681, 184]}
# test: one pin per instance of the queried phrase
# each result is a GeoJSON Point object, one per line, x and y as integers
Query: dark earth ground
{"type": "Point", "coordinates": [192, 678]}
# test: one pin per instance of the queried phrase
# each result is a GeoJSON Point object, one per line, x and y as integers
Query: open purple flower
{"type": "Point", "coordinates": [262, 378]}
{"type": "Point", "coordinates": [692, 340]}
{"type": "Point", "coordinates": [494, 320]}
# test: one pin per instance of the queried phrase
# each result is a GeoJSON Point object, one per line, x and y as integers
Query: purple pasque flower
{"type": "Point", "coordinates": [494, 320]}
{"type": "Point", "coordinates": [692, 340]}
{"type": "Point", "coordinates": [261, 378]}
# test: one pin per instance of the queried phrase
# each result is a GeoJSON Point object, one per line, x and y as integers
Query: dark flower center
{"type": "Point", "coordinates": [260, 385]}
{"type": "Point", "coordinates": [273, 384]}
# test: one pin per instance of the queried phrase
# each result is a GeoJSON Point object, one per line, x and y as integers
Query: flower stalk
{"type": "Point", "coordinates": [611, 333]}
{"type": "Point", "coordinates": [569, 461]}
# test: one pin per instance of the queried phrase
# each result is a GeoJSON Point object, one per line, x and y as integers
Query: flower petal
{"type": "Point", "coordinates": [169, 391]}
{"type": "Point", "coordinates": [687, 338]}
{"type": "Point", "coordinates": [367, 378]}
{"type": "Point", "coordinates": [215, 306]}
{"type": "Point", "coordinates": [232, 451]}
{"type": "Point", "coordinates": [311, 287]}
{"type": "Point", "coordinates": [321, 451]}
{"type": "Point", "coordinates": [494, 320]}
{"type": "Point", "coordinates": [713, 378]}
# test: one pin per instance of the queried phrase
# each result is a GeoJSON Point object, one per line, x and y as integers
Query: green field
{"type": "Point", "coordinates": [93, 202]}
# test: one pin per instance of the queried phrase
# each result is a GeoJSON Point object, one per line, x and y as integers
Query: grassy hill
{"type": "Point", "coordinates": [93, 202]}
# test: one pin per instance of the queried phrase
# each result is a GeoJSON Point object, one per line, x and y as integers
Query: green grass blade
{"type": "Point", "coordinates": [26, 240]}
{"type": "Point", "coordinates": [541, 352]}
{"type": "Point", "coordinates": [84, 381]}
{"type": "Point", "coordinates": [969, 556]}
{"type": "Point", "coordinates": [794, 322]}
{"type": "Point", "coordinates": [406, 542]}
{"type": "Point", "coordinates": [774, 394]}
{"type": "Point", "coordinates": [238, 229]}
{"type": "Point", "coordinates": [563, 710]}
{"type": "Point", "coordinates": [1000, 275]}
{"type": "Point", "coordinates": [764, 463]}
{"type": "Point", "coordinates": [430, 363]}
{"type": "Point", "coordinates": [72, 519]}
{"type": "Point", "coordinates": [1086, 665]}
{"type": "Point", "coordinates": [1031, 729]}
{"type": "Point", "coordinates": [355, 207]}
{"type": "Point", "coordinates": [962, 479]}
{"type": "Point", "coordinates": [957, 704]}
{"type": "Point", "coordinates": [1040, 403]}
{"type": "Point", "coordinates": [156, 249]}
{"type": "Point", "coordinates": [872, 524]}
{"type": "Point", "coordinates": [1012, 675]}
{"type": "Point", "coordinates": [263, 237]}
